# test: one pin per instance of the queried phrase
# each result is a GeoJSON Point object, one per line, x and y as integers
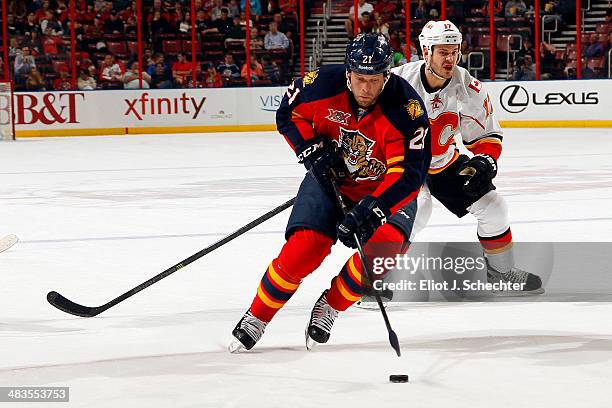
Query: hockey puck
{"type": "Point", "coordinates": [398, 378]}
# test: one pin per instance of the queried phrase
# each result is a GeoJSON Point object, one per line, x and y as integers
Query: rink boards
{"type": "Point", "coordinates": [584, 103]}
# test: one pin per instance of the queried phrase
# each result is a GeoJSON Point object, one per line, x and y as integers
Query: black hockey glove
{"type": "Point", "coordinates": [369, 214]}
{"type": "Point", "coordinates": [479, 171]}
{"type": "Point", "coordinates": [323, 161]}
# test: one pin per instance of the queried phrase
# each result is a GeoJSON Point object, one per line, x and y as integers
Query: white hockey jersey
{"type": "Point", "coordinates": [464, 106]}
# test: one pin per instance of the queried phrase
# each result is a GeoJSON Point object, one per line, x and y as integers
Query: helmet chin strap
{"type": "Point", "coordinates": [430, 69]}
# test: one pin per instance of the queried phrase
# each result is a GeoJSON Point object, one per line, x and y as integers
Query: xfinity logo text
{"type": "Point", "coordinates": [515, 98]}
{"type": "Point", "coordinates": [148, 105]}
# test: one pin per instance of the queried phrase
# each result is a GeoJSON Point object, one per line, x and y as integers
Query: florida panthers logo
{"type": "Point", "coordinates": [356, 151]}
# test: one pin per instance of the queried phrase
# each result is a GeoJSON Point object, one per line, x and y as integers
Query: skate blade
{"type": "Point", "coordinates": [369, 305]}
{"type": "Point", "coordinates": [521, 293]}
{"type": "Point", "coordinates": [310, 343]}
{"type": "Point", "coordinates": [236, 347]}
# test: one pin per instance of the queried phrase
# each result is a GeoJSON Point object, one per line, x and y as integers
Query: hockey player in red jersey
{"type": "Point", "coordinates": [366, 129]}
{"type": "Point", "coordinates": [456, 102]}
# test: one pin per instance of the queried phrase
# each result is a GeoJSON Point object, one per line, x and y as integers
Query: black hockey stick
{"type": "Point", "coordinates": [71, 307]}
{"type": "Point", "coordinates": [393, 340]}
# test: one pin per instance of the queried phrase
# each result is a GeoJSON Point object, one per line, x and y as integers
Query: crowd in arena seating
{"type": "Point", "coordinates": [40, 45]}
{"type": "Point", "coordinates": [106, 44]}
{"type": "Point", "coordinates": [512, 17]}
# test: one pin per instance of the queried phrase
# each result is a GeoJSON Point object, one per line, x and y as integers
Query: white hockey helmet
{"type": "Point", "coordinates": [439, 33]}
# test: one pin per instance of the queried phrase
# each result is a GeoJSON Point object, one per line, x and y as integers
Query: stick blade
{"type": "Point", "coordinates": [394, 342]}
{"type": "Point", "coordinates": [66, 305]}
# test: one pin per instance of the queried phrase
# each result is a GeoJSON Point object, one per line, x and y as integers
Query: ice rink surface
{"type": "Point", "coordinates": [97, 216]}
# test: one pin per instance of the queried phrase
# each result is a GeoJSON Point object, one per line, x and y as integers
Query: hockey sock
{"type": "Point", "coordinates": [347, 286]}
{"type": "Point", "coordinates": [498, 251]}
{"type": "Point", "coordinates": [300, 256]}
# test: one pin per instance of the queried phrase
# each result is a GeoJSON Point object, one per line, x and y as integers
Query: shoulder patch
{"type": "Point", "coordinates": [414, 109]}
{"type": "Point", "coordinates": [310, 77]}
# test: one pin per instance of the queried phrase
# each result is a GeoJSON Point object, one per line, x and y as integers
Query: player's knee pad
{"type": "Point", "coordinates": [424, 209]}
{"type": "Point", "coordinates": [303, 253]}
{"type": "Point", "coordinates": [491, 211]}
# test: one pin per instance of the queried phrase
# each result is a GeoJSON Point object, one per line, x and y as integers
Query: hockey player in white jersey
{"type": "Point", "coordinates": [457, 102]}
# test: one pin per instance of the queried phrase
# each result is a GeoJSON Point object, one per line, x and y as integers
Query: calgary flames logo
{"type": "Point", "coordinates": [356, 151]}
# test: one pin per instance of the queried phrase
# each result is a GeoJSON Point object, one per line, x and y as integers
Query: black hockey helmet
{"type": "Point", "coordinates": [369, 54]}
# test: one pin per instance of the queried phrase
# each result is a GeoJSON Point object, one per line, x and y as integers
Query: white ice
{"type": "Point", "coordinates": [97, 216]}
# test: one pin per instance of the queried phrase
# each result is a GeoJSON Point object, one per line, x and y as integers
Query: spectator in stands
{"type": "Point", "coordinates": [51, 22]}
{"type": "Point", "coordinates": [159, 24]}
{"type": "Point", "coordinates": [281, 24]}
{"type": "Point", "coordinates": [113, 25]}
{"type": "Point", "coordinates": [14, 48]}
{"type": "Point", "coordinates": [86, 82]}
{"type": "Point", "coordinates": [608, 19]}
{"type": "Point", "coordinates": [497, 8]}
{"type": "Point", "coordinates": [274, 39]}
{"type": "Point", "coordinates": [526, 49]}
{"type": "Point", "coordinates": [465, 52]}
{"type": "Point", "coordinates": [24, 62]}
{"type": "Point", "coordinates": [271, 70]}
{"type": "Point", "coordinates": [515, 8]}
{"type": "Point", "coordinates": [35, 81]}
{"type": "Point", "coordinates": [223, 24]}
{"type": "Point", "coordinates": [287, 6]}
{"type": "Point", "coordinates": [233, 8]}
{"type": "Point", "coordinates": [394, 40]}
{"type": "Point", "coordinates": [111, 71]}
{"type": "Point", "coordinates": [159, 58]}
{"type": "Point", "coordinates": [381, 27]}
{"type": "Point", "coordinates": [212, 79]}
{"type": "Point", "coordinates": [255, 6]}
{"type": "Point", "coordinates": [521, 71]}
{"type": "Point", "coordinates": [215, 13]}
{"type": "Point", "coordinates": [433, 10]}
{"type": "Point", "coordinates": [594, 47]}
{"type": "Point", "coordinates": [228, 68]}
{"type": "Point", "coordinates": [366, 25]}
{"type": "Point", "coordinates": [243, 20]}
{"type": "Point", "coordinates": [256, 41]}
{"type": "Point", "coordinates": [587, 72]}
{"type": "Point", "coordinates": [161, 77]}
{"type": "Point", "coordinates": [386, 9]}
{"type": "Point", "coordinates": [181, 70]}
{"type": "Point", "coordinates": [131, 78]}
{"type": "Point", "coordinates": [29, 25]}
{"type": "Point", "coordinates": [361, 7]}
{"type": "Point", "coordinates": [51, 43]}
{"type": "Point", "coordinates": [420, 12]}
{"type": "Point", "coordinates": [235, 33]}
{"type": "Point", "coordinates": [547, 62]}
{"type": "Point", "coordinates": [62, 83]}
{"type": "Point", "coordinates": [257, 71]}
{"type": "Point", "coordinates": [349, 23]}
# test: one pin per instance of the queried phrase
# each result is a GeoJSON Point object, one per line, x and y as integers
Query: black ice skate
{"type": "Point", "coordinates": [531, 284]}
{"type": "Point", "coordinates": [247, 332]}
{"type": "Point", "coordinates": [321, 321]}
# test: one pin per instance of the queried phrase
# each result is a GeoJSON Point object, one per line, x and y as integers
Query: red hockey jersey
{"type": "Point", "coordinates": [387, 147]}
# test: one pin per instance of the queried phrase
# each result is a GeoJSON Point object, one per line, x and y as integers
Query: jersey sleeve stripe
{"type": "Point", "coordinates": [395, 170]}
{"type": "Point", "coordinates": [394, 160]}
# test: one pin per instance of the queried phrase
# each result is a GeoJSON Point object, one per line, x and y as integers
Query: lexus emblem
{"type": "Point", "coordinates": [514, 99]}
